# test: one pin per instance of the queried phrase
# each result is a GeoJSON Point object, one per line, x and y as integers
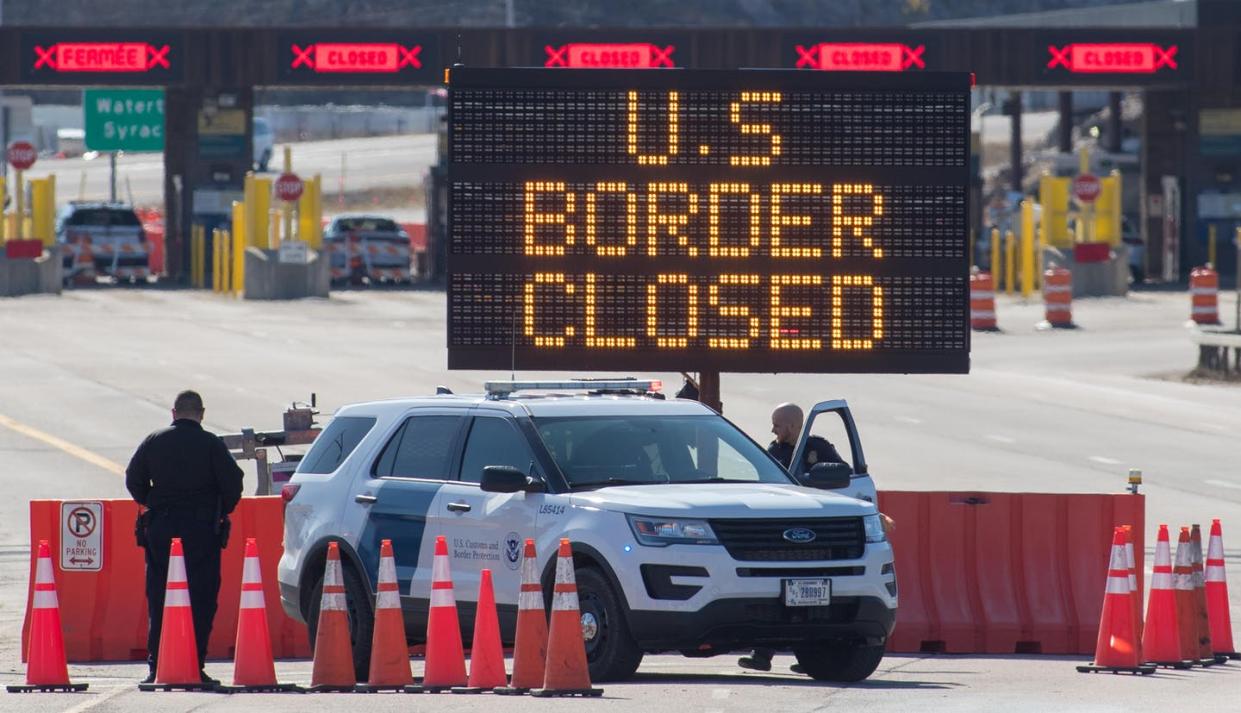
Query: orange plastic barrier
{"type": "Point", "coordinates": [982, 302]}
{"type": "Point", "coordinates": [1058, 298]}
{"type": "Point", "coordinates": [1204, 295]}
{"type": "Point", "coordinates": [104, 613]}
{"type": "Point", "coordinates": [417, 236]}
{"type": "Point", "coordinates": [1004, 573]}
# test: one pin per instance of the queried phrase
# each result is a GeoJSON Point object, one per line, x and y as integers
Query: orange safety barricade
{"type": "Point", "coordinates": [1057, 299]}
{"type": "Point", "coordinates": [104, 613]}
{"type": "Point", "coordinates": [1004, 572]}
{"type": "Point", "coordinates": [982, 302]}
{"type": "Point", "coordinates": [1204, 295]}
{"type": "Point", "coordinates": [417, 236]}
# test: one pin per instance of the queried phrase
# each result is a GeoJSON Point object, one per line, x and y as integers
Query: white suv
{"type": "Point", "coordinates": [687, 536]}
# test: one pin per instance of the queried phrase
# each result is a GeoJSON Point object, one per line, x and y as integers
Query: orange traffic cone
{"type": "Point", "coordinates": [333, 664]}
{"type": "Point", "coordinates": [1205, 651]}
{"type": "Point", "coordinates": [1183, 586]}
{"type": "Point", "coordinates": [389, 650]}
{"type": "Point", "coordinates": [1117, 649]}
{"type": "Point", "coordinates": [567, 672]}
{"type": "Point", "coordinates": [46, 666]}
{"type": "Point", "coordinates": [1161, 644]}
{"type": "Point", "coordinates": [1133, 587]}
{"type": "Point", "coordinates": [1217, 596]}
{"type": "Point", "coordinates": [254, 670]}
{"type": "Point", "coordinates": [178, 665]}
{"type": "Point", "coordinates": [530, 646]}
{"type": "Point", "coordinates": [445, 659]}
{"type": "Point", "coordinates": [486, 653]}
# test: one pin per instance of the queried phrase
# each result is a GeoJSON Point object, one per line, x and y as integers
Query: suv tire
{"type": "Point", "coordinates": [611, 652]}
{"type": "Point", "coordinates": [358, 611]}
{"type": "Point", "coordinates": [839, 661]}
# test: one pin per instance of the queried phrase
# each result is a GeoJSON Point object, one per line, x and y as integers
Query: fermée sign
{"type": "Point", "coordinates": [763, 220]}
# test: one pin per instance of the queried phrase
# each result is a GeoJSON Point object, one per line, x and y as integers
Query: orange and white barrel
{"type": "Point", "coordinates": [982, 302]}
{"type": "Point", "coordinates": [1058, 298]}
{"type": "Point", "coordinates": [1204, 295]}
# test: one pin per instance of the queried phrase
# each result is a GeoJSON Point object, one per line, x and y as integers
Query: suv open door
{"type": "Point", "coordinates": [834, 417]}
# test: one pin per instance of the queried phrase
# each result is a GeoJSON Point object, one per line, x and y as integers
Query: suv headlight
{"type": "Point", "coordinates": [874, 528]}
{"type": "Point", "coordinates": [661, 531]}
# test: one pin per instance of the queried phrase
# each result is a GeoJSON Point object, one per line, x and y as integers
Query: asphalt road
{"type": "Point", "coordinates": [1064, 411]}
{"type": "Point", "coordinates": [381, 161]}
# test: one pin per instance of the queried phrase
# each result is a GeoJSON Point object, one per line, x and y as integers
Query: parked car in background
{"type": "Point", "coordinates": [367, 248]}
{"type": "Point", "coordinates": [101, 239]}
{"type": "Point", "coordinates": [264, 143]}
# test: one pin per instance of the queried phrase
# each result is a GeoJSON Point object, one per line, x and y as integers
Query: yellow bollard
{"type": "Point", "coordinates": [237, 247]}
{"type": "Point", "coordinates": [1211, 238]}
{"type": "Point", "coordinates": [1010, 262]}
{"type": "Point", "coordinates": [260, 214]}
{"type": "Point", "coordinates": [19, 205]}
{"type": "Point", "coordinates": [1027, 248]}
{"type": "Point", "coordinates": [995, 256]}
{"type": "Point", "coordinates": [3, 218]}
{"type": "Point", "coordinates": [215, 260]}
{"type": "Point", "coordinates": [286, 207]}
{"type": "Point", "coordinates": [273, 232]}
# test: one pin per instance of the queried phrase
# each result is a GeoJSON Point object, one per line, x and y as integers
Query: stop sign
{"type": "Point", "coordinates": [1086, 188]}
{"type": "Point", "coordinates": [22, 155]}
{"type": "Point", "coordinates": [288, 187]}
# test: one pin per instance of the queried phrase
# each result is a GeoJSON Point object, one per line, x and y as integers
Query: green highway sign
{"type": "Point", "coordinates": [124, 119]}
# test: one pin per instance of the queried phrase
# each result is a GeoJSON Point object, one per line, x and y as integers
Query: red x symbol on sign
{"type": "Point", "coordinates": [662, 57]}
{"type": "Point", "coordinates": [806, 56]}
{"type": "Point", "coordinates": [1059, 57]}
{"type": "Point", "coordinates": [1165, 57]}
{"type": "Point", "coordinates": [556, 56]}
{"type": "Point", "coordinates": [157, 57]}
{"type": "Point", "coordinates": [409, 57]}
{"type": "Point", "coordinates": [46, 57]}
{"type": "Point", "coordinates": [301, 57]}
{"type": "Point", "coordinates": [912, 57]}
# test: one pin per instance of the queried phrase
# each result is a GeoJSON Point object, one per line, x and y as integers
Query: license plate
{"type": "Point", "coordinates": [807, 592]}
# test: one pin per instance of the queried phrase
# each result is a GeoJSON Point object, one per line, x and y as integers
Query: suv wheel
{"type": "Point", "coordinates": [358, 611]}
{"type": "Point", "coordinates": [611, 651]}
{"type": "Point", "coordinates": [839, 661]}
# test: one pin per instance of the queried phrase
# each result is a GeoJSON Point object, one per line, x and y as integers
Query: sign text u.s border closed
{"type": "Point", "coordinates": [81, 536]}
{"type": "Point", "coordinates": [124, 119]}
{"type": "Point", "coordinates": [753, 221]}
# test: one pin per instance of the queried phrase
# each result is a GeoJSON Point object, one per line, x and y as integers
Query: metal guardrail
{"type": "Point", "coordinates": [300, 429]}
{"type": "Point", "coordinates": [1219, 353]}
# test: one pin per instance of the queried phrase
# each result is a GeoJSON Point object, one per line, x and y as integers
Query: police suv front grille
{"type": "Point", "coordinates": [762, 540]}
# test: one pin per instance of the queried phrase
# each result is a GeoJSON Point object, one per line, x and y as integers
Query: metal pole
{"type": "Point", "coordinates": [287, 208]}
{"type": "Point", "coordinates": [709, 390]}
{"type": "Point", "coordinates": [1237, 270]}
{"type": "Point", "coordinates": [1015, 147]}
{"type": "Point", "coordinates": [1065, 133]}
{"type": "Point", "coordinates": [1113, 122]}
{"type": "Point", "coordinates": [112, 180]}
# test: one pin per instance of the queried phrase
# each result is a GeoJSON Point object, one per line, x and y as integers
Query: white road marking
{"type": "Point", "coordinates": [908, 419]}
{"type": "Point", "coordinates": [1104, 460]}
{"type": "Point", "coordinates": [1001, 439]}
{"type": "Point", "coordinates": [1224, 484]}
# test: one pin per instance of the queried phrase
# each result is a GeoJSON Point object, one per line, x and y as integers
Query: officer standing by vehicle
{"type": "Point", "coordinates": [189, 483]}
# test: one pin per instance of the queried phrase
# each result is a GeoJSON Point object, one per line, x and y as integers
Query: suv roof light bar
{"type": "Point", "coordinates": [500, 389]}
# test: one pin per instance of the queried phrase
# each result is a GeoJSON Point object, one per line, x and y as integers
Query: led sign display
{"type": "Point", "coordinates": [734, 220]}
{"type": "Point", "coordinates": [631, 55]}
{"type": "Point", "coordinates": [353, 58]}
{"type": "Point", "coordinates": [94, 56]}
{"type": "Point", "coordinates": [861, 56]}
{"type": "Point", "coordinates": [1112, 58]}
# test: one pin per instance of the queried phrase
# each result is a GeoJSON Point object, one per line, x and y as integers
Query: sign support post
{"type": "Point", "coordinates": [709, 390]}
{"type": "Point", "coordinates": [19, 199]}
{"type": "Point", "coordinates": [287, 208]}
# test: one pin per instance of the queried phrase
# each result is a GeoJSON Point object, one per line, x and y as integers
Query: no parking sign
{"type": "Point", "coordinates": [81, 536]}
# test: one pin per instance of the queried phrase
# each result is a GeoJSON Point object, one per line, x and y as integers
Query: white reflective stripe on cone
{"type": "Point", "coordinates": [43, 571]}
{"type": "Point", "coordinates": [567, 601]}
{"type": "Point", "coordinates": [1161, 580]}
{"type": "Point", "coordinates": [177, 598]}
{"type": "Point", "coordinates": [1204, 290]}
{"type": "Point", "coordinates": [1215, 573]}
{"type": "Point", "coordinates": [388, 599]}
{"type": "Point", "coordinates": [387, 570]}
{"type": "Point", "coordinates": [981, 295]}
{"type": "Point", "coordinates": [333, 601]}
{"type": "Point", "coordinates": [331, 576]}
{"type": "Point", "coordinates": [530, 600]}
{"type": "Point", "coordinates": [45, 599]}
{"type": "Point", "coordinates": [252, 599]}
{"type": "Point", "coordinates": [1204, 310]}
{"type": "Point", "coordinates": [250, 572]}
{"type": "Point", "coordinates": [439, 569]}
{"type": "Point", "coordinates": [1183, 582]}
{"type": "Point", "coordinates": [176, 570]}
{"type": "Point", "coordinates": [442, 598]}
{"type": "Point", "coordinates": [979, 314]}
{"type": "Point", "coordinates": [1215, 550]}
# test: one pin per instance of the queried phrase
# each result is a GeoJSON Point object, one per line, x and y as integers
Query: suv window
{"type": "Point", "coordinates": [104, 217]}
{"type": "Point", "coordinates": [335, 444]}
{"type": "Point", "coordinates": [378, 225]}
{"type": "Point", "coordinates": [421, 448]}
{"type": "Point", "coordinates": [493, 441]}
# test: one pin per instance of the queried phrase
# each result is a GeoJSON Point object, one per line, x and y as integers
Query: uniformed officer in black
{"type": "Point", "coordinates": [189, 482]}
{"type": "Point", "coordinates": [786, 423]}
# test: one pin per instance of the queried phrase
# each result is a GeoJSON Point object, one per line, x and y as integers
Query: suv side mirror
{"type": "Point", "coordinates": [829, 476]}
{"type": "Point", "coordinates": [507, 479]}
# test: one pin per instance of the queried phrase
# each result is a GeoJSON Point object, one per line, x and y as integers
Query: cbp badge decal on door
{"type": "Point", "coordinates": [512, 550]}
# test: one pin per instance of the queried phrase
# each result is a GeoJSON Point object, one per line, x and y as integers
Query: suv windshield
{"type": "Point", "coordinates": [594, 451]}
{"type": "Point", "coordinates": [103, 217]}
{"type": "Point", "coordinates": [378, 225]}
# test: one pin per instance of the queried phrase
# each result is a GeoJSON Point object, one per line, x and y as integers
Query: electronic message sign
{"type": "Point", "coordinates": [117, 56]}
{"type": "Point", "coordinates": [761, 220]}
{"type": "Point", "coordinates": [325, 57]}
{"type": "Point", "coordinates": [1098, 58]}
